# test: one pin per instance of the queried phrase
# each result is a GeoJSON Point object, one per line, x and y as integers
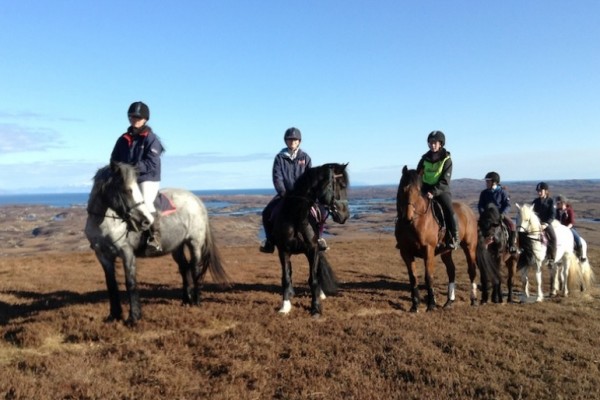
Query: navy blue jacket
{"type": "Point", "coordinates": [544, 208]}
{"type": "Point", "coordinates": [142, 150]}
{"type": "Point", "coordinates": [286, 171]}
{"type": "Point", "coordinates": [497, 196]}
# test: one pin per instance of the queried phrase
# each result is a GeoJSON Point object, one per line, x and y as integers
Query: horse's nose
{"type": "Point", "coordinates": [145, 224]}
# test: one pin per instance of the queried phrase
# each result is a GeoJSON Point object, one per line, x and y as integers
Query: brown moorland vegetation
{"type": "Point", "coordinates": [55, 343]}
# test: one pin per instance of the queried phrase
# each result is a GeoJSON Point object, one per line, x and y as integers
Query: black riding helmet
{"type": "Point", "coordinates": [541, 186]}
{"type": "Point", "coordinates": [437, 136]}
{"type": "Point", "coordinates": [493, 176]}
{"type": "Point", "coordinates": [292, 133]}
{"type": "Point", "coordinates": [139, 109]}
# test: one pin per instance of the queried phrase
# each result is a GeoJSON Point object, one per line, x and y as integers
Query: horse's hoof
{"type": "Point", "coordinates": [449, 304]}
{"type": "Point", "coordinates": [414, 309]}
{"type": "Point", "coordinates": [286, 307]}
{"type": "Point", "coordinates": [131, 322]}
{"type": "Point", "coordinates": [315, 315]}
{"type": "Point", "coordinates": [111, 319]}
{"type": "Point", "coordinates": [431, 307]}
{"type": "Point", "coordinates": [474, 303]}
{"type": "Point", "coordinates": [539, 299]}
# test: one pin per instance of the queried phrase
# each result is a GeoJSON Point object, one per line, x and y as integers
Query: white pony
{"type": "Point", "coordinates": [534, 252]}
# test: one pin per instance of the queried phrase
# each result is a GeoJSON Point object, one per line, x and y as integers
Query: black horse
{"type": "Point", "coordinates": [294, 232]}
{"type": "Point", "coordinates": [492, 252]}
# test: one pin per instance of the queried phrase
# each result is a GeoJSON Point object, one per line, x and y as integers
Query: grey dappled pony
{"type": "Point", "coordinates": [116, 225]}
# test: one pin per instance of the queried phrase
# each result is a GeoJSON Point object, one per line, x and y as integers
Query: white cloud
{"type": "Point", "coordinates": [17, 139]}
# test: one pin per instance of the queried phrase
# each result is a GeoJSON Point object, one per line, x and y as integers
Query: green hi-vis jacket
{"type": "Point", "coordinates": [437, 172]}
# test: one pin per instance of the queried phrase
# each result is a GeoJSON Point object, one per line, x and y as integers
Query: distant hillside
{"type": "Point", "coordinates": [584, 194]}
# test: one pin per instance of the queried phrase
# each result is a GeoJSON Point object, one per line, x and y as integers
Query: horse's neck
{"type": "Point", "coordinates": [535, 225]}
{"type": "Point", "coordinates": [96, 207]}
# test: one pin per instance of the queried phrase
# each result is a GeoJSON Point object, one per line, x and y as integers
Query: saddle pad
{"type": "Point", "coordinates": [164, 204]}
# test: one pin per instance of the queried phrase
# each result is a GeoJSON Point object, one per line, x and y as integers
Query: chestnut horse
{"type": "Point", "coordinates": [417, 236]}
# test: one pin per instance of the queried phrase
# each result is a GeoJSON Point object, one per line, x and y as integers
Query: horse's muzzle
{"type": "Point", "coordinates": [143, 224]}
{"type": "Point", "coordinates": [340, 212]}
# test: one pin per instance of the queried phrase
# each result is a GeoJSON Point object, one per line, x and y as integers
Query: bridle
{"type": "Point", "coordinates": [534, 234]}
{"type": "Point", "coordinates": [415, 210]}
{"type": "Point", "coordinates": [126, 217]}
{"type": "Point", "coordinates": [332, 207]}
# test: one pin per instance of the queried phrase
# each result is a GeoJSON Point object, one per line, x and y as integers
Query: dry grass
{"type": "Point", "coordinates": [55, 343]}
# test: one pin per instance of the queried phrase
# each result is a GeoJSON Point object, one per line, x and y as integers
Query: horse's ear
{"type": "Point", "coordinates": [518, 206]}
{"type": "Point", "coordinates": [404, 169]}
{"type": "Point", "coordinates": [114, 166]}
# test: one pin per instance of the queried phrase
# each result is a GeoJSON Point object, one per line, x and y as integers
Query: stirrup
{"type": "Point", "coordinates": [451, 244]}
{"type": "Point", "coordinates": [153, 245]}
{"type": "Point", "coordinates": [322, 244]}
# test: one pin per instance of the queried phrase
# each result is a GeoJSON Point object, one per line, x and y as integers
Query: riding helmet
{"type": "Point", "coordinates": [492, 176]}
{"type": "Point", "coordinates": [561, 199]}
{"type": "Point", "coordinates": [139, 109]}
{"type": "Point", "coordinates": [292, 133]}
{"type": "Point", "coordinates": [541, 186]}
{"type": "Point", "coordinates": [437, 136]}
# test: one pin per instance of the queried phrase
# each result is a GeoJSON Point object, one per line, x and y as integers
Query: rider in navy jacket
{"type": "Point", "coordinates": [142, 149]}
{"type": "Point", "coordinates": [497, 195]}
{"type": "Point", "coordinates": [289, 164]}
{"type": "Point", "coordinates": [286, 170]}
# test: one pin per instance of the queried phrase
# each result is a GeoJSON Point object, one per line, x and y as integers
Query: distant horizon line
{"type": "Point", "coordinates": [48, 191]}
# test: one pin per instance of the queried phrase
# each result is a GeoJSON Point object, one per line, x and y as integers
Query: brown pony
{"type": "Point", "coordinates": [492, 252]}
{"type": "Point", "coordinates": [418, 236]}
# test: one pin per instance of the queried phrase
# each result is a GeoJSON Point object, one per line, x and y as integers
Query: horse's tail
{"type": "Point", "coordinates": [211, 259]}
{"type": "Point", "coordinates": [580, 275]}
{"type": "Point", "coordinates": [327, 277]}
{"type": "Point", "coordinates": [487, 267]}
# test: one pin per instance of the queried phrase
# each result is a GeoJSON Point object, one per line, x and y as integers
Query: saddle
{"type": "Point", "coordinates": [164, 205]}
{"type": "Point", "coordinates": [544, 238]}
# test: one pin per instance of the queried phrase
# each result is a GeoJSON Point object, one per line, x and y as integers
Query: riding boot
{"type": "Point", "coordinates": [578, 251]}
{"type": "Point", "coordinates": [153, 244]}
{"type": "Point", "coordinates": [453, 239]}
{"type": "Point", "coordinates": [512, 242]}
{"type": "Point", "coordinates": [267, 245]}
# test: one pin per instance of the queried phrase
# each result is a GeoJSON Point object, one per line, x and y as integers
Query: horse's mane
{"type": "Point", "coordinates": [312, 177]}
{"type": "Point", "coordinates": [491, 215]}
{"type": "Point", "coordinates": [106, 174]}
{"type": "Point", "coordinates": [111, 179]}
{"type": "Point", "coordinates": [410, 178]}
{"type": "Point", "coordinates": [527, 212]}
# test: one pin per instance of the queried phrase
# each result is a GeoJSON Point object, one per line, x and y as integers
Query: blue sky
{"type": "Point", "coordinates": [513, 84]}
